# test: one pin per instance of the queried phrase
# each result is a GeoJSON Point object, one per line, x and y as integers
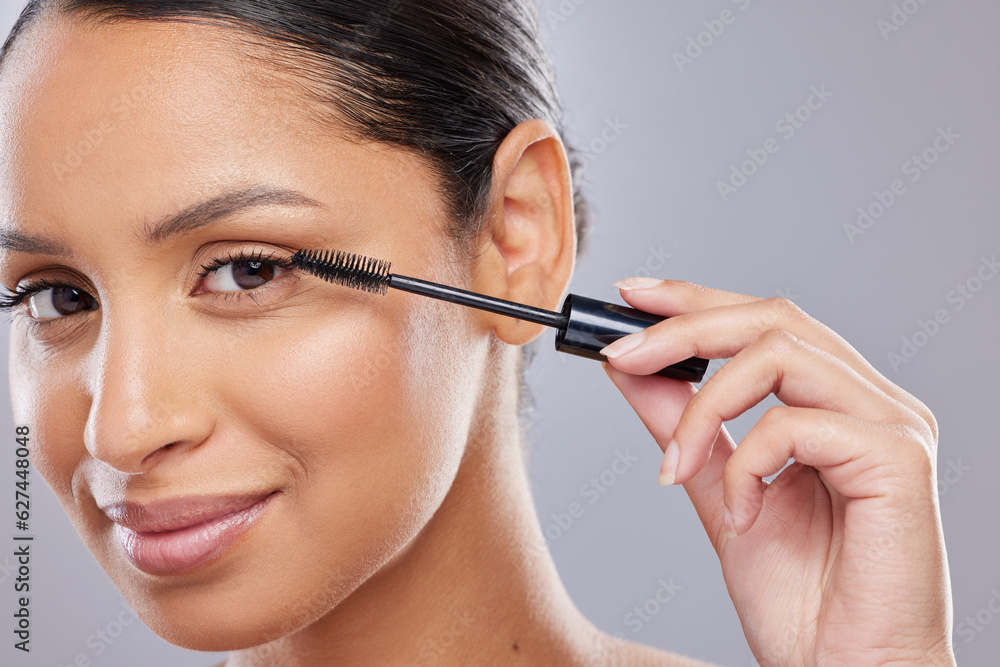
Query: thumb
{"type": "Point", "coordinates": [659, 402]}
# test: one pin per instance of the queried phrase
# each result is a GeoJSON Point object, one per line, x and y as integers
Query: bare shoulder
{"type": "Point", "coordinates": [621, 653]}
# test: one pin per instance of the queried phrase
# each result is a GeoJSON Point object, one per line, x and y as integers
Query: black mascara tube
{"type": "Point", "coordinates": [592, 325]}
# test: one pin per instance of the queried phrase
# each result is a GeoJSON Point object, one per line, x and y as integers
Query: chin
{"type": "Point", "coordinates": [221, 609]}
{"type": "Point", "coordinates": [274, 583]}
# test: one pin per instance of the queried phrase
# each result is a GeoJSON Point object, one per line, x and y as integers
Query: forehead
{"type": "Point", "coordinates": [130, 120]}
{"type": "Point", "coordinates": [173, 78]}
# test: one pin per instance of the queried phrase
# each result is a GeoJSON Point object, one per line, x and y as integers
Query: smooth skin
{"type": "Point", "coordinates": [840, 560]}
{"type": "Point", "coordinates": [403, 530]}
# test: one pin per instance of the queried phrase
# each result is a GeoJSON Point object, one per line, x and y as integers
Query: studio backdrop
{"type": "Point", "coordinates": [841, 155]}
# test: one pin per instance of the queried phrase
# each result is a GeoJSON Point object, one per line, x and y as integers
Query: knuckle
{"type": "Point", "coordinates": [922, 462]}
{"type": "Point", "coordinates": [784, 308]}
{"type": "Point", "coordinates": [927, 419]}
{"type": "Point", "coordinates": [778, 340]}
{"type": "Point", "coordinates": [699, 413]}
{"type": "Point", "coordinates": [694, 404]}
{"type": "Point", "coordinates": [776, 416]}
{"type": "Point", "coordinates": [670, 326]}
{"type": "Point", "coordinates": [918, 424]}
{"type": "Point", "coordinates": [917, 412]}
{"type": "Point", "coordinates": [916, 453]}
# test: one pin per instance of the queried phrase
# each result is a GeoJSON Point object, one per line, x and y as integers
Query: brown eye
{"type": "Point", "coordinates": [253, 274]}
{"type": "Point", "coordinates": [56, 302]}
{"type": "Point", "coordinates": [242, 275]}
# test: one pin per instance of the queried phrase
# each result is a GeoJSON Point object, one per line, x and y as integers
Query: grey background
{"type": "Point", "coordinates": [654, 190]}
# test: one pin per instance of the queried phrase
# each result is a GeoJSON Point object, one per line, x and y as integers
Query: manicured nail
{"type": "Point", "coordinates": [638, 282]}
{"type": "Point", "coordinates": [668, 469]}
{"type": "Point", "coordinates": [623, 345]}
{"type": "Point", "coordinates": [730, 526]}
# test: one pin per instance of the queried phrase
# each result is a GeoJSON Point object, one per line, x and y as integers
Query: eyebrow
{"type": "Point", "coordinates": [191, 218]}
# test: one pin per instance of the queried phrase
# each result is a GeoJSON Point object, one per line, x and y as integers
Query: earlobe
{"type": "Point", "coordinates": [532, 244]}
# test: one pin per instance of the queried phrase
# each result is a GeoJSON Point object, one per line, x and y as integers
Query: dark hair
{"type": "Point", "coordinates": [447, 79]}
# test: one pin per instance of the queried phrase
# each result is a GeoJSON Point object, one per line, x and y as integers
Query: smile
{"type": "Point", "coordinates": [174, 537]}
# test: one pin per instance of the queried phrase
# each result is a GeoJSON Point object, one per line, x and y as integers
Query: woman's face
{"type": "Point", "coordinates": [327, 423]}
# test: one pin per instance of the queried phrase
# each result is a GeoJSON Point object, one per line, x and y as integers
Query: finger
{"type": "Point", "coordinates": [675, 297]}
{"type": "Point", "coordinates": [714, 324]}
{"type": "Point", "coordinates": [659, 403]}
{"type": "Point", "coordinates": [706, 489]}
{"type": "Point", "coordinates": [854, 456]}
{"type": "Point", "coordinates": [715, 333]}
{"type": "Point", "coordinates": [795, 372]}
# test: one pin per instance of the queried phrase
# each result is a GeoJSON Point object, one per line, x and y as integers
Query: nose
{"type": "Point", "coordinates": [142, 409]}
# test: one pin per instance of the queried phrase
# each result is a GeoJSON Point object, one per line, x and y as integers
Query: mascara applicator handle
{"type": "Point", "coordinates": [592, 325]}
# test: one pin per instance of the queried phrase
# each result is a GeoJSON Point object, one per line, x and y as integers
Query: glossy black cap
{"type": "Point", "coordinates": [592, 325]}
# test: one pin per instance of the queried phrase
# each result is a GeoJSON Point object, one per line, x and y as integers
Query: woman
{"type": "Point", "coordinates": [303, 474]}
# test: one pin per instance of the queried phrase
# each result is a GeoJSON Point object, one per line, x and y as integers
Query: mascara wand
{"type": "Point", "coordinates": [584, 327]}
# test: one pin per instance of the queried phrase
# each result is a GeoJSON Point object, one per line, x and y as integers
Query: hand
{"type": "Point", "coordinates": [841, 559]}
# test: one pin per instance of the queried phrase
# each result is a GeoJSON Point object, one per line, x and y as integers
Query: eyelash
{"type": "Point", "coordinates": [11, 300]}
{"type": "Point", "coordinates": [244, 257]}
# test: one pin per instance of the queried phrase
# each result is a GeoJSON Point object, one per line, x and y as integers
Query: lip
{"type": "Point", "coordinates": [175, 536]}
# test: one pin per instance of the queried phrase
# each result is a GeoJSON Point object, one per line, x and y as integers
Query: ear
{"type": "Point", "coordinates": [531, 249]}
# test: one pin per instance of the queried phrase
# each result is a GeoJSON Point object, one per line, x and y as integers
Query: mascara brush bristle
{"type": "Point", "coordinates": [343, 268]}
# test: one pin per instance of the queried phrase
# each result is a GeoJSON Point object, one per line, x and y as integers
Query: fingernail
{"type": "Point", "coordinates": [623, 345]}
{"type": "Point", "coordinates": [668, 469]}
{"type": "Point", "coordinates": [730, 526]}
{"type": "Point", "coordinates": [637, 282]}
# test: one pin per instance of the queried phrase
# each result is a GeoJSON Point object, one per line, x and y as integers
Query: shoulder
{"type": "Point", "coordinates": [613, 652]}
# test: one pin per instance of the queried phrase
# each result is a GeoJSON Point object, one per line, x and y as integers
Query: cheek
{"type": "Point", "coordinates": [373, 415]}
{"type": "Point", "coordinates": [46, 397]}
{"type": "Point", "coordinates": [49, 395]}
{"type": "Point", "coordinates": [368, 398]}
{"type": "Point", "coordinates": [369, 410]}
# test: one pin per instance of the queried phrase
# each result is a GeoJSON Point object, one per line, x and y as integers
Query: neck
{"type": "Point", "coordinates": [476, 586]}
